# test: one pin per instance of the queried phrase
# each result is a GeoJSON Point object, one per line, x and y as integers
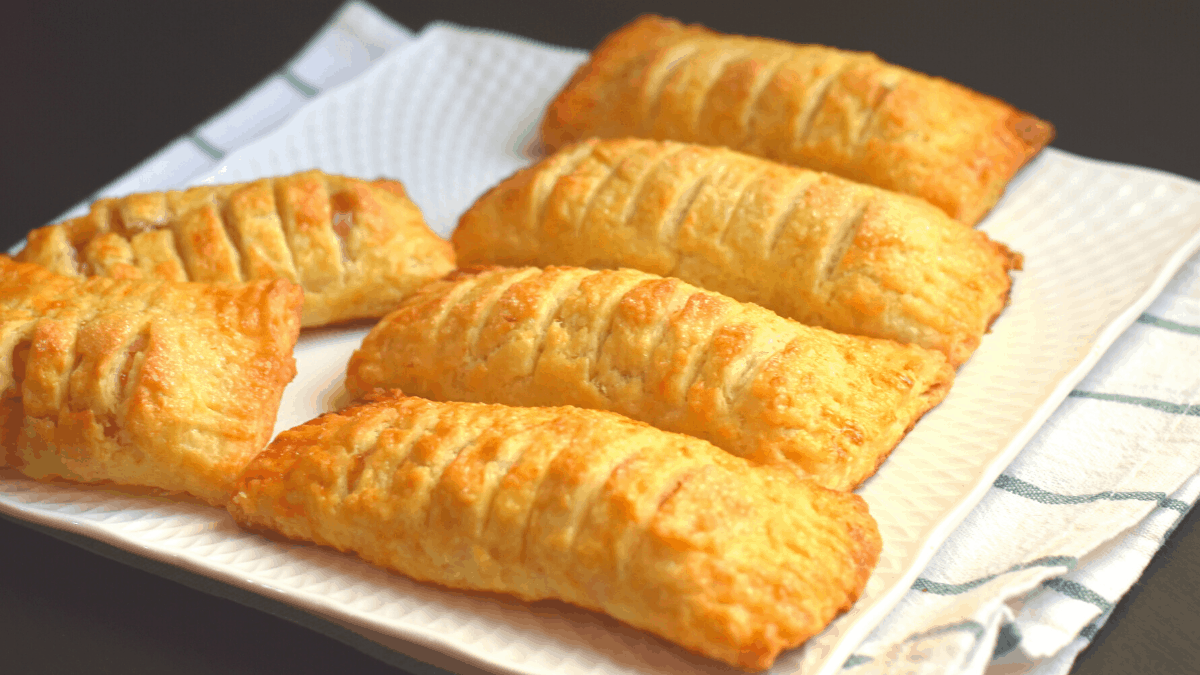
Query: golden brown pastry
{"type": "Point", "coordinates": [659, 530]}
{"type": "Point", "coordinates": [848, 113]}
{"type": "Point", "coordinates": [159, 384]}
{"type": "Point", "coordinates": [826, 406]}
{"type": "Point", "coordinates": [357, 247]}
{"type": "Point", "coordinates": [809, 246]}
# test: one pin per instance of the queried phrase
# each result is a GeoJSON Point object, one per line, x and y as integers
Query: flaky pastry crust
{"type": "Point", "coordinates": [844, 112]}
{"type": "Point", "coordinates": [357, 247]}
{"type": "Point", "coordinates": [659, 530]}
{"type": "Point", "coordinates": [810, 246]}
{"type": "Point", "coordinates": [826, 406]}
{"type": "Point", "coordinates": [159, 384]}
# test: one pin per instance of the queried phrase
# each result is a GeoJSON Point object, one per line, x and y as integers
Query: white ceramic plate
{"type": "Point", "coordinates": [455, 112]}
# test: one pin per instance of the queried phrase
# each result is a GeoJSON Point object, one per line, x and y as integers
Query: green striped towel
{"type": "Point", "coordinates": [1035, 570]}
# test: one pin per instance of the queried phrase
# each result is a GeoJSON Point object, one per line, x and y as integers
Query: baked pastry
{"type": "Point", "coordinates": [848, 113]}
{"type": "Point", "coordinates": [356, 247]}
{"type": "Point", "coordinates": [659, 530]}
{"type": "Point", "coordinates": [809, 246]}
{"type": "Point", "coordinates": [826, 406]}
{"type": "Point", "coordinates": [159, 384]}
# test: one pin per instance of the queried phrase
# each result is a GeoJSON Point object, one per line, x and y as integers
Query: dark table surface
{"type": "Point", "coordinates": [94, 89]}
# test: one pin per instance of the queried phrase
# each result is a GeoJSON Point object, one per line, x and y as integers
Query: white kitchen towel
{"type": "Point", "coordinates": [1028, 577]}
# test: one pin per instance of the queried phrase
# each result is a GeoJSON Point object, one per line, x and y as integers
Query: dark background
{"type": "Point", "coordinates": [92, 89]}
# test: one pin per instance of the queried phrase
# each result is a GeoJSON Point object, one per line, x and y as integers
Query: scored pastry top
{"type": "Point", "coordinates": [357, 247]}
{"type": "Point", "coordinates": [809, 246]}
{"type": "Point", "coordinates": [659, 530]}
{"type": "Point", "coordinates": [848, 113]}
{"type": "Point", "coordinates": [148, 383]}
{"type": "Point", "coordinates": [823, 405]}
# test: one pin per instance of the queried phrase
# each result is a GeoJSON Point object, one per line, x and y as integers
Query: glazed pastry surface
{"type": "Point", "coordinates": [357, 247]}
{"type": "Point", "coordinates": [158, 384]}
{"type": "Point", "coordinates": [659, 530]}
{"type": "Point", "coordinates": [823, 405]}
{"type": "Point", "coordinates": [810, 246]}
{"type": "Point", "coordinates": [844, 112]}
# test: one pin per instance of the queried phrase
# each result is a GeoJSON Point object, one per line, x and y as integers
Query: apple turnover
{"type": "Point", "coordinates": [659, 530]}
{"type": "Point", "coordinates": [357, 247]}
{"type": "Point", "coordinates": [824, 405]}
{"type": "Point", "coordinates": [809, 246]}
{"type": "Point", "coordinates": [844, 112]}
{"type": "Point", "coordinates": [158, 384]}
